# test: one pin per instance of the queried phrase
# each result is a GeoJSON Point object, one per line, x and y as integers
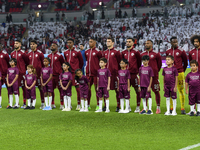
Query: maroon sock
{"type": "Point", "coordinates": [89, 96]}
{"type": "Point", "coordinates": [61, 100]}
{"type": "Point", "coordinates": [41, 95]}
{"type": "Point", "coordinates": [97, 99]}
{"type": "Point", "coordinates": [157, 98]}
{"type": "Point", "coordinates": [53, 98]}
{"type": "Point", "coordinates": [78, 96]}
{"type": "Point", "coordinates": [118, 99]}
{"type": "Point", "coordinates": [24, 92]}
{"type": "Point", "coordinates": [104, 101]}
{"type": "Point", "coordinates": [138, 99]}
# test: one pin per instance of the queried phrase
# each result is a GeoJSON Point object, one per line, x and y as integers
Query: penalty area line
{"type": "Point", "coordinates": [190, 147]}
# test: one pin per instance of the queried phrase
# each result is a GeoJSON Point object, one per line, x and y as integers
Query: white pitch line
{"type": "Point", "coordinates": [190, 147]}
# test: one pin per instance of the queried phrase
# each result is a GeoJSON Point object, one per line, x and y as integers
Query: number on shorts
{"type": "Point", "coordinates": [180, 82]}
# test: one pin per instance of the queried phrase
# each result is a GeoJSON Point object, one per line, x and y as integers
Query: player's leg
{"type": "Point", "coordinates": [167, 95]}
{"type": "Point", "coordinates": [174, 97]}
{"type": "Point", "coordinates": [192, 97]}
{"type": "Point", "coordinates": [99, 94]}
{"type": "Point", "coordinates": [121, 97]}
{"type": "Point", "coordinates": [148, 96]}
{"type": "Point", "coordinates": [60, 91]}
{"type": "Point", "coordinates": [53, 94]}
{"type": "Point", "coordinates": [181, 83]}
{"type": "Point", "coordinates": [95, 86]}
{"type": "Point", "coordinates": [78, 97]}
{"type": "Point", "coordinates": [143, 97]}
{"type": "Point", "coordinates": [127, 99]}
{"type": "Point", "coordinates": [10, 93]}
{"type": "Point", "coordinates": [198, 104]}
{"type": "Point", "coordinates": [89, 91]}
{"type": "Point", "coordinates": [134, 84]}
{"type": "Point", "coordinates": [113, 86]}
{"type": "Point", "coordinates": [33, 97]}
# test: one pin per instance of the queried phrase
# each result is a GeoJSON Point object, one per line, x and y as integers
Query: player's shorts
{"type": "Point", "coordinates": [102, 92]}
{"type": "Point", "coordinates": [48, 87]}
{"type": "Point", "coordinates": [113, 82]}
{"type": "Point", "coordinates": [21, 80]}
{"type": "Point", "coordinates": [67, 92]}
{"type": "Point", "coordinates": [144, 93]}
{"type": "Point", "coordinates": [74, 83]}
{"type": "Point", "coordinates": [181, 80]}
{"type": "Point", "coordinates": [155, 84]}
{"type": "Point", "coordinates": [14, 89]}
{"type": "Point", "coordinates": [56, 82]}
{"type": "Point", "coordinates": [92, 79]}
{"type": "Point", "coordinates": [84, 93]}
{"type": "Point", "coordinates": [123, 91]}
{"type": "Point", "coordinates": [31, 94]}
{"type": "Point", "coordinates": [169, 92]}
{"type": "Point", "coordinates": [3, 80]}
{"type": "Point", "coordinates": [134, 80]}
{"type": "Point", "coordinates": [194, 98]}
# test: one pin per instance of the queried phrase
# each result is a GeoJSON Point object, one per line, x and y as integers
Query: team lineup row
{"type": "Point", "coordinates": [130, 57]}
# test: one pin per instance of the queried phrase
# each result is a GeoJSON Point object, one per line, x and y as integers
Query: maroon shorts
{"type": "Point", "coordinates": [14, 89]}
{"type": "Point", "coordinates": [3, 80]}
{"type": "Point", "coordinates": [84, 93]}
{"type": "Point", "coordinates": [134, 80]}
{"type": "Point", "coordinates": [123, 91]}
{"type": "Point", "coordinates": [48, 87]}
{"type": "Point", "coordinates": [169, 92]}
{"type": "Point", "coordinates": [155, 84]}
{"type": "Point", "coordinates": [93, 80]}
{"type": "Point", "coordinates": [74, 83]}
{"type": "Point", "coordinates": [31, 94]}
{"type": "Point", "coordinates": [194, 98]}
{"type": "Point", "coordinates": [144, 93]}
{"type": "Point", "coordinates": [67, 92]}
{"type": "Point", "coordinates": [102, 92]}
{"type": "Point", "coordinates": [113, 82]}
{"type": "Point", "coordinates": [21, 80]}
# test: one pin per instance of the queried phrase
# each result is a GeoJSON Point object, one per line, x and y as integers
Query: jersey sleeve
{"type": "Point", "coordinates": [140, 71]}
{"type": "Point", "coordinates": [187, 78]}
{"type": "Point", "coordinates": [151, 72]}
{"type": "Point", "coordinates": [175, 72]}
{"type": "Point", "coordinates": [109, 74]}
{"type": "Point", "coordinates": [138, 59]}
{"type": "Point", "coordinates": [99, 55]}
{"type": "Point", "coordinates": [60, 76]}
{"type": "Point", "coordinates": [0, 74]}
{"type": "Point", "coordinates": [163, 73]}
{"type": "Point", "coordinates": [80, 58]}
{"type": "Point", "coordinates": [87, 80]}
{"type": "Point", "coordinates": [51, 71]}
{"type": "Point", "coordinates": [184, 60]}
{"type": "Point", "coordinates": [118, 56]}
{"type": "Point", "coordinates": [17, 71]}
{"type": "Point", "coordinates": [7, 58]}
{"type": "Point", "coordinates": [25, 58]}
{"type": "Point", "coordinates": [70, 76]}
{"type": "Point", "coordinates": [61, 59]}
{"type": "Point", "coordinates": [41, 59]}
{"type": "Point", "coordinates": [34, 77]}
{"type": "Point", "coordinates": [26, 77]}
{"type": "Point", "coordinates": [159, 61]}
{"type": "Point", "coordinates": [128, 75]}
{"type": "Point", "coordinates": [190, 56]}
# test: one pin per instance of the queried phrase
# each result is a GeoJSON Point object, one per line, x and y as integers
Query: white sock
{"type": "Point", "coordinates": [86, 104]}
{"type": "Point", "coordinates": [100, 104]}
{"type": "Point", "coordinates": [50, 100]}
{"type": "Point", "coordinates": [192, 108]}
{"type": "Point", "coordinates": [107, 104]}
{"type": "Point", "coordinates": [69, 102]}
{"type": "Point", "coordinates": [127, 104]}
{"type": "Point", "coordinates": [34, 102]}
{"type": "Point", "coordinates": [150, 103]}
{"type": "Point", "coordinates": [0, 100]}
{"type": "Point", "coordinates": [122, 104]}
{"type": "Point", "coordinates": [17, 100]}
{"type": "Point", "coordinates": [11, 100]}
{"type": "Point", "coordinates": [168, 104]}
{"type": "Point", "coordinates": [158, 107]}
{"type": "Point", "coordinates": [174, 105]}
{"type": "Point", "coordinates": [82, 104]}
{"type": "Point", "coordinates": [29, 102]}
{"type": "Point", "coordinates": [46, 101]}
{"type": "Point", "coordinates": [198, 107]}
{"type": "Point", "coordinates": [65, 101]}
{"type": "Point", "coordinates": [144, 103]}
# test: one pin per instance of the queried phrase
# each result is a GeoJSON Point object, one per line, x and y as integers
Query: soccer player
{"type": "Point", "coordinates": [65, 82]}
{"type": "Point", "coordinates": [22, 62]}
{"type": "Point", "coordinates": [75, 59]}
{"type": "Point", "coordinates": [92, 56]}
{"type": "Point", "coordinates": [145, 83]}
{"type": "Point", "coordinates": [36, 58]}
{"type": "Point", "coordinates": [134, 63]}
{"type": "Point", "coordinates": [84, 59]}
{"type": "Point", "coordinates": [30, 81]}
{"type": "Point", "coordinates": [4, 65]}
{"type": "Point", "coordinates": [114, 57]}
{"type": "Point", "coordinates": [155, 62]}
{"type": "Point", "coordinates": [103, 84]}
{"type": "Point", "coordinates": [180, 62]}
{"type": "Point", "coordinates": [12, 83]}
{"type": "Point", "coordinates": [84, 88]}
{"type": "Point", "coordinates": [56, 64]}
{"type": "Point", "coordinates": [46, 82]}
{"type": "Point", "coordinates": [193, 81]}
{"type": "Point", "coordinates": [170, 81]}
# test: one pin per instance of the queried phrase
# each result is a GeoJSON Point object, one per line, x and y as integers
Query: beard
{"type": "Point", "coordinates": [196, 46]}
{"type": "Point", "coordinates": [128, 46]}
{"type": "Point", "coordinates": [16, 47]}
{"type": "Point", "coordinates": [53, 49]}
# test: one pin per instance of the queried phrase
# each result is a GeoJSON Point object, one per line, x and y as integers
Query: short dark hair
{"type": "Point", "coordinates": [103, 59]}
{"type": "Point", "coordinates": [129, 38]}
{"type": "Point", "coordinates": [13, 59]}
{"type": "Point", "coordinates": [34, 41]}
{"type": "Point", "coordinates": [150, 41]}
{"type": "Point", "coordinates": [172, 38]}
{"type": "Point", "coordinates": [194, 37]}
{"type": "Point", "coordinates": [194, 62]}
{"type": "Point", "coordinates": [48, 59]}
{"type": "Point", "coordinates": [70, 39]}
{"type": "Point", "coordinates": [171, 57]}
{"type": "Point", "coordinates": [82, 45]}
{"type": "Point", "coordinates": [92, 38]}
{"type": "Point", "coordinates": [110, 38]}
{"type": "Point", "coordinates": [125, 61]}
{"type": "Point", "coordinates": [18, 41]}
{"type": "Point", "coordinates": [145, 57]}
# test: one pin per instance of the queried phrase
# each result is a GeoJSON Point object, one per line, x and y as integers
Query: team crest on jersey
{"type": "Point", "coordinates": [124, 54]}
{"type": "Point", "coordinates": [19, 55]}
{"type": "Point", "coordinates": [1, 56]}
{"type": "Point", "coordinates": [30, 56]}
{"type": "Point", "coordinates": [29, 78]}
{"type": "Point", "coordinates": [65, 76]}
{"type": "Point", "coordinates": [11, 71]}
{"type": "Point", "coordinates": [94, 53]}
{"type": "Point", "coordinates": [132, 54]}
{"type": "Point", "coordinates": [192, 53]}
{"type": "Point", "coordinates": [36, 55]}
{"type": "Point", "coordinates": [86, 53]}
{"type": "Point", "coordinates": [152, 56]}
{"type": "Point", "coordinates": [67, 54]}
{"type": "Point", "coordinates": [177, 53]}
{"type": "Point", "coordinates": [169, 53]}
{"type": "Point", "coordinates": [55, 57]}
{"type": "Point", "coordinates": [45, 71]}
{"type": "Point", "coordinates": [73, 54]}
{"type": "Point", "coordinates": [106, 54]}
{"type": "Point", "coordinates": [112, 53]}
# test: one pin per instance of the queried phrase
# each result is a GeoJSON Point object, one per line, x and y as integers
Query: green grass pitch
{"type": "Point", "coordinates": [57, 130]}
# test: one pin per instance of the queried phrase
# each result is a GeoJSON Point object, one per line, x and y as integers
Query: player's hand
{"type": "Point", "coordinates": [149, 89]}
{"type": "Point", "coordinates": [175, 89]}
{"type": "Point", "coordinates": [97, 88]}
{"type": "Point", "coordinates": [139, 89]}
{"type": "Point", "coordinates": [117, 89]}
{"type": "Point", "coordinates": [129, 89]}
{"type": "Point", "coordinates": [8, 85]}
{"type": "Point", "coordinates": [108, 88]}
{"type": "Point", "coordinates": [186, 91]}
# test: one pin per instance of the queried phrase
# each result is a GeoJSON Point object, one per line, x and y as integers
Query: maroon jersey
{"type": "Point", "coordinates": [123, 76]}
{"type": "Point", "coordinates": [180, 58]}
{"type": "Point", "coordinates": [145, 74]}
{"type": "Point", "coordinates": [46, 72]}
{"type": "Point", "coordinates": [103, 75]}
{"type": "Point", "coordinates": [74, 58]}
{"type": "Point", "coordinates": [56, 63]}
{"type": "Point", "coordinates": [155, 61]}
{"type": "Point", "coordinates": [83, 83]}
{"type": "Point", "coordinates": [65, 77]}
{"type": "Point", "coordinates": [30, 78]}
{"type": "Point", "coordinates": [193, 80]}
{"type": "Point", "coordinates": [4, 62]}
{"type": "Point", "coordinates": [22, 60]}
{"type": "Point", "coordinates": [36, 59]}
{"type": "Point", "coordinates": [113, 57]}
{"type": "Point", "coordinates": [170, 76]}
{"type": "Point", "coordinates": [12, 72]}
{"type": "Point", "coordinates": [195, 55]}
{"type": "Point", "coordinates": [134, 60]}
{"type": "Point", "coordinates": [92, 56]}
